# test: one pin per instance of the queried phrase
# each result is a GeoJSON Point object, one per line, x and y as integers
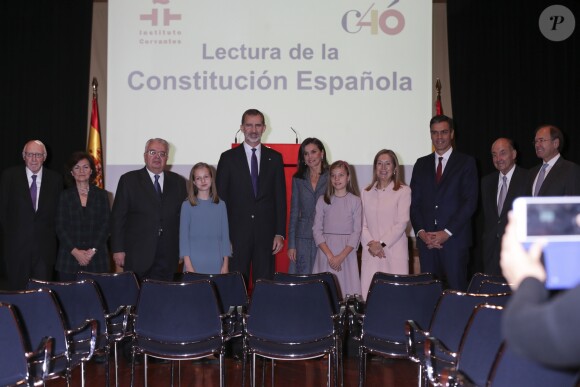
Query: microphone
{"type": "Point", "coordinates": [295, 134]}
{"type": "Point", "coordinates": [236, 136]}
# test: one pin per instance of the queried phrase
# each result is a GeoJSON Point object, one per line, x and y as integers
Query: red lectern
{"type": "Point", "coordinates": [290, 159]}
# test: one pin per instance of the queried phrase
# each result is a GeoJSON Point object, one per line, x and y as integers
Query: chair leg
{"type": "Point", "coordinates": [108, 365]}
{"type": "Point", "coordinates": [145, 369]}
{"type": "Point", "coordinates": [244, 364]}
{"type": "Point", "coordinates": [330, 360]}
{"type": "Point", "coordinates": [132, 368]}
{"type": "Point", "coordinates": [83, 374]}
{"type": "Point", "coordinates": [253, 370]}
{"type": "Point", "coordinates": [362, 366]}
{"type": "Point", "coordinates": [420, 376]}
{"type": "Point", "coordinates": [116, 365]}
{"type": "Point", "coordinates": [272, 373]}
{"type": "Point", "coordinates": [222, 371]}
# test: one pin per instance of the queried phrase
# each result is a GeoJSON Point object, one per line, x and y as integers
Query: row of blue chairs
{"type": "Point", "coordinates": [454, 337]}
{"type": "Point", "coordinates": [292, 317]}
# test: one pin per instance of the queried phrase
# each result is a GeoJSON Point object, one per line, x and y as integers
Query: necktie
{"type": "Point", "coordinates": [439, 170]}
{"type": "Point", "coordinates": [540, 180]}
{"type": "Point", "coordinates": [157, 185]}
{"type": "Point", "coordinates": [33, 191]}
{"type": "Point", "coordinates": [254, 171]}
{"type": "Point", "coordinates": [502, 195]}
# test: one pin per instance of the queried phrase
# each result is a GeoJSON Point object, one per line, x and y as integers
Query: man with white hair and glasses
{"type": "Point", "coordinates": [28, 200]}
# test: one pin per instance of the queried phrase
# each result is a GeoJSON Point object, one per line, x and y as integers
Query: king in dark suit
{"type": "Point", "coordinates": [250, 179]}
{"type": "Point", "coordinates": [28, 201]}
{"type": "Point", "coordinates": [444, 189]}
{"type": "Point", "coordinates": [145, 216]}
{"type": "Point", "coordinates": [555, 176]}
{"type": "Point", "coordinates": [494, 195]}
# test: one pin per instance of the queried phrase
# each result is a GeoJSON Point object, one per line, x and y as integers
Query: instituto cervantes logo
{"type": "Point", "coordinates": [160, 25]}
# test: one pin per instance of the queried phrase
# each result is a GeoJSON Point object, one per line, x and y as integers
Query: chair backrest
{"type": "Point", "coordinates": [512, 369]}
{"type": "Point", "coordinates": [14, 368]}
{"type": "Point", "coordinates": [287, 312]}
{"type": "Point", "coordinates": [175, 312]}
{"type": "Point", "coordinates": [328, 278]}
{"type": "Point", "coordinates": [453, 311]}
{"type": "Point", "coordinates": [401, 278]}
{"type": "Point", "coordinates": [40, 315]}
{"type": "Point", "coordinates": [478, 278]}
{"type": "Point", "coordinates": [80, 301]}
{"type": "Point", "coordinates": [480, 343]}
{"type": "Point", "coordinates": [117, 289]}
{"type": "Point", "coordinates": [491, 287]}
{"type": "Point", "coordinates": [230, 288]}
{"type": "Point", "coordinates": [390, 304]}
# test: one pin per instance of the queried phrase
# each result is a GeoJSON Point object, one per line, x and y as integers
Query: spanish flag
{"type": "Point", "coordinates": [95, 147]}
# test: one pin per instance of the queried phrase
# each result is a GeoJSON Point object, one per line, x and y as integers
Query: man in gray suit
{"type": "Point", "coordinates": [498, 191]}
{"type": "Point", "coordinates": [145, 216]}
{"type": "Point", "coordinates": [555, 176]}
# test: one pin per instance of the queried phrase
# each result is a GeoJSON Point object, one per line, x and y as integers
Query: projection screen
{"type": "Point", "coordinates": [356, 74]}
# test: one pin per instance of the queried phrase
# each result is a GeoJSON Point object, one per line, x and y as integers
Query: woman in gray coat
{"type": "Point", "coordinates": [308, 184]}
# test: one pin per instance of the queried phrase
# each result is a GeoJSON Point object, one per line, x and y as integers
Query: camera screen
{"type": "Point", "coordinates": [553, 219]}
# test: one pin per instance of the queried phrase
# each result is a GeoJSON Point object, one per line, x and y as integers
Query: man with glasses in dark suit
{"type": "Point", "coordinates": [145, 216]}
{"type": "Point", "coordinates": [28, 200]}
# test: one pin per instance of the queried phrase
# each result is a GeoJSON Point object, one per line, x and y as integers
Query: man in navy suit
{"type": "Point", "coordinates": [145, 216]}
{"type": "Point", "coordinates": [28, 200]}
{"type": "Point", "coordinates": [499, 188]}
{"type": "Point", "coordinates": [555, 176]}
{"type": "Point", "coordinates": [444, 188]}
{"type": "Point", "coordinates": [250, 179]}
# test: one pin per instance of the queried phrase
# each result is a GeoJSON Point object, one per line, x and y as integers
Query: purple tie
{"type": "Point", "coordinates": [33, 191]}
{"type": "Point", "coordinates": [254, 171]}
{"type": "Point", "coordinates": [157, 185]}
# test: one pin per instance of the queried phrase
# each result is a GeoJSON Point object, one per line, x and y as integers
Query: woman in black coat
{"type": "Point", "coordinates": [82, 221]}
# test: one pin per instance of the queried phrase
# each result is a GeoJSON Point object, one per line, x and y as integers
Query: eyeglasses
{"type": "Point", "coordinates": [152, 153]}
{"type": "Point", "coordinates": [34, 155]}
{"type": "Point", "coordinates": [541, 141]}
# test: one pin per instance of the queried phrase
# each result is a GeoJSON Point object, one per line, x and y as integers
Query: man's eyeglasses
{"type": "Point", "coordinates": [152, 153]}
{"type": "Point", "coordinates": [34, 155]}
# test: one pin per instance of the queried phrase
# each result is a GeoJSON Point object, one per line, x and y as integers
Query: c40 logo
{"type": "Point", "coordinates": [390, 21]}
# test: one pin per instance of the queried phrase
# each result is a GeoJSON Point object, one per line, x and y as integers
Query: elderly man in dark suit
{"type": "Point", "coordinates": [444, 188]}
{"type": "Point", "coordinates": [555, 176]}
{"type": "Point", "coordinates": [145, 216]}
{"type": "Point", "coordinates": [250, 179]}
{"type": "Point", "coordinates": [28, 201]}
{"type": "Point", "coordinates": [498, 191]}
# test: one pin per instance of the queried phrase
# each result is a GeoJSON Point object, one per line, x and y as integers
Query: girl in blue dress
{"type": "Point", "coordinates": [204, 240]}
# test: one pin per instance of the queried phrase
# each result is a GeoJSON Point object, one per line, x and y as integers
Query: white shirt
{"type": "Point", "coordinates": [507, 183]}
{"type": "Point", "coordinates": [248, 150]}
{"type": "Point", "coordinates": [29, 174]}
{"type": "Point", "coordinates": [550, 163]}
{"type": "Point", "coordinates": [445, 156]}
{"type": "Point", "coordinates": [161, 178]}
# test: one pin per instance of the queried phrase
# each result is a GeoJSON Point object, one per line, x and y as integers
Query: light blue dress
{"type": "Point", "coordinates": [204, 235]}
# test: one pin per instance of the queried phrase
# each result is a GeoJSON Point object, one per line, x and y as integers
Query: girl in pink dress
{"type": "Point", "coordinates": [337, 229]}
